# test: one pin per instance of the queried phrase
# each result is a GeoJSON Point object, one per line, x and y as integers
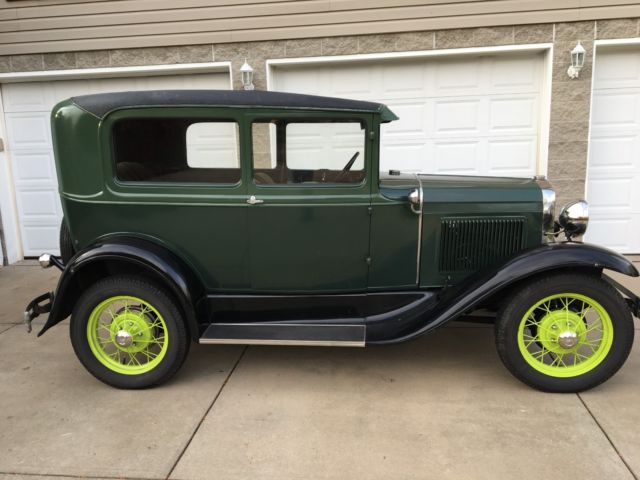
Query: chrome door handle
{"type": "Point", "coordinates": [252, 200]}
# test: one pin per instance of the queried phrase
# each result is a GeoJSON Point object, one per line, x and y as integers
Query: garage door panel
{"type": "Point", "coordinates": [616, 233]}
{"type": "Point", "coordinates": [461, 116]}
{"type": "Point", "coordinates": [34, 167]}
{"type": "Point", "coordinates": [405, 157]}
{"type": "Point", "coordinates": [511, 157]}
{"type": "Point", "coordinates": [23, 99]}
{"type": "Point", "coordinates": [514, 75]}
{"type": "Point", "coordinates": [351, 82]}
{"type": "Point", "coordinates": [457, 78]}
{"type": "Point", "coordinates": [413, 120]}
{"type": "Point", "coordinates": [460, 158]}
{"type": "Point", "coordinates": [611, 109]}
{"type": "Point", "coordinates": [40, 238]}
{"type": "Point", "coordinates": [407, 80]}
{"type": "Point", "coordinates": [513, 114]}
{"type": "Point", "coordinates": [38, 204]}
{"type": "Point", "coordinates": [617, 69]}
{"type": "Point", "coordinates": [60, 90]}
{"type": "Point", "coordinates": [611, 193]}
{"type": "Point", "coordinates": [27, 111]}
{"type": "Point", "coordinates": [28, 130]}
{"type": "Point", "coordinates": [615, 152]}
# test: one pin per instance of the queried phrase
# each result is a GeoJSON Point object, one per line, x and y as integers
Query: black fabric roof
{"type": "Point", "coordinates": [101, 104]}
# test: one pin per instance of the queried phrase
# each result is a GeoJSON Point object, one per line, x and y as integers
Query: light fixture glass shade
{"type": "Point", "coordinates": [577, 56]}
{"type": "Point", "coordinates": [247, 76]}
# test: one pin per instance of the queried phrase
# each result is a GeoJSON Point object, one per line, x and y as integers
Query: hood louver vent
{"type": "Point", "coordinates": [473, 243]}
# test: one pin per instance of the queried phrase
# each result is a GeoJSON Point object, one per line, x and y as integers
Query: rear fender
{"type": "Point", "coordinates": [455, 301]}
{"type": "Point", "coordinates": [127, 255]}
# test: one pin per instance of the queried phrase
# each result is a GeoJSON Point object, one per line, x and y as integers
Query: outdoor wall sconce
{"type": "Point", "coordinates": [577, 61]}
{"type": "Point", "coordinates": [247, 76]}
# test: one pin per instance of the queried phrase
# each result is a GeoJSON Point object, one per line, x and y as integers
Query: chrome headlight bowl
{"type": "Point", "coordinates": [574, 218]}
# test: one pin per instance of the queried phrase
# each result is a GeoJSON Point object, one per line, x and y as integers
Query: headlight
{"type": "Point", "coordinates": [574, 218]}
{"type": "Point", "coordinates": [548, 204]}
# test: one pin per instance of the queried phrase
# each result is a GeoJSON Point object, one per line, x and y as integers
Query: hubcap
{"type": "Point", "coordinates": [124, 338]}
{"type": "Point", "coordinates": [561, 330]}
{"type": "Point", "coordinates": [568, 339]}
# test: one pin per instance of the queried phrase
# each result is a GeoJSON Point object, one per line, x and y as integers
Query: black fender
{"type": "Point", "coordinates": [450, 303]}
{"type": "Point", "coordinates": [124, 254]}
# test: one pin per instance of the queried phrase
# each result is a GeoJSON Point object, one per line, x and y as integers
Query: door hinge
{"type": "Point", "coordinates": [372, 135]}
{"type": "Point", "coordinates": [368, 260]}
{"type": "Point", "coordinates": [369, 210]}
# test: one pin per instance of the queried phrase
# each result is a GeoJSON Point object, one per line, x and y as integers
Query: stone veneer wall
{"type": "Point", "coordinates": [570, 99]}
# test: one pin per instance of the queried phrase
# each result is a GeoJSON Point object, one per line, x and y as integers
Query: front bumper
{"type": "Point", "coordinates": [37, 306]}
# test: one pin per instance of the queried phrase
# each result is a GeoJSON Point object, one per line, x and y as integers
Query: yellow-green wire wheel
{"type": "Point", "coordinates": [127, 335]}
{"type": "Point", "coordinates": [564, 332]}
{"type": "Point", "coordinates": [128, 332]}
{"type": "Point", "coordinates": [565, 335]}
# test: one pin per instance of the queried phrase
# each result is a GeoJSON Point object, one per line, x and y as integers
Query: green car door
{"type": "Point", "coordinates": [309, 198]}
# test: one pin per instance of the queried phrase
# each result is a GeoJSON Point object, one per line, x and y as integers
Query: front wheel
{"type": "Point", "coordinates": [128, 333]}
{"type": "Point", "coordinates": [564, 332]}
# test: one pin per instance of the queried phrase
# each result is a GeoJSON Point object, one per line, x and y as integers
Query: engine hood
{"type": "Point", "coordinates": [456, 189]}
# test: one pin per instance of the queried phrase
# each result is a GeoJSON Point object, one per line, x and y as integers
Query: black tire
{"type": "Point", "coordinates": [516, 307]}
{"type": "Point", "coordinates": [67, 251]}
{"type": "Point", "coordinates": [139, 287]}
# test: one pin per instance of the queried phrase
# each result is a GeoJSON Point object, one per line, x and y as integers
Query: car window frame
{"type": "Point", "coordinates": [201, 114]}
{"type": "Point", "coordinates": [301, 188]}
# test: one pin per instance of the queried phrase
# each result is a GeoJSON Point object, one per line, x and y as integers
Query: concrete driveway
{"type": "Point", "coordinates": [442, 407]}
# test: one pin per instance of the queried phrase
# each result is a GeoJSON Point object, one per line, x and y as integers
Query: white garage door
{"type": "Point", "coordinates": [27, 108]}
{"type": "Point", "coordinates": [467, 116]}
{"type": "Point", "coordinates": [613, 175]}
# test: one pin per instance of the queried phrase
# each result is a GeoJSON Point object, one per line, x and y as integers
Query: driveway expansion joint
{"type": "Point", "coordinates": [206, 413]}
{"type": "Point", "coordinates": [9, 327]}
{"type": "Point", "coordinates": [606, 435]}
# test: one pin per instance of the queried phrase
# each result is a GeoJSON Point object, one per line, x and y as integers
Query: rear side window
{"type": "Point", "coordinates": [308, 152]}
{"type": "Point", "coordinates": [176, 150]}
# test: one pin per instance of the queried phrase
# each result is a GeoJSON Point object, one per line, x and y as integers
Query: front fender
{"type": "Point", "coordinates": [453, 302]}
{"type": "Point", "coordinates": [144, 256]}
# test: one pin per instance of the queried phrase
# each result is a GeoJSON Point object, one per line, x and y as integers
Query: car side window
{"type": "Point", "coordinates": [308, 152]}
{"type": "Point", "coordinates": [176, 150]}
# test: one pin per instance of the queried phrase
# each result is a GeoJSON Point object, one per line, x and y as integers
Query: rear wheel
{"type": "Point", "coordinates": [128, 333]}
{"type": "Point", "coordinates": [564, 333]}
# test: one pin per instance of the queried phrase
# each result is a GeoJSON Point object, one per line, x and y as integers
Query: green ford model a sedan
{"type": "Point", "coordinates": [262, 218]}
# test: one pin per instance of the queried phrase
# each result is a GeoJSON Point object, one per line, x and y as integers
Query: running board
{"type": "Point", "coordinates": [284, 334]}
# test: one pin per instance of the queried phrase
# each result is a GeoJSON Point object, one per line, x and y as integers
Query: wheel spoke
{"type": "Point", "coordinates": [150, 355]}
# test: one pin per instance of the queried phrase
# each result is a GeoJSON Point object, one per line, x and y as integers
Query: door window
{"type": "Point", "coordinates": [308, 152]}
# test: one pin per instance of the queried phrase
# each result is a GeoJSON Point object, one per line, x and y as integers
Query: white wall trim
{"type": "Point", "coordinates": [616, 41]}
{"type": "Point", "coordinates": [545, 113]}
{"type": "Point", "coordinates": [114, 72]}
{"type": "Point", "coordinates": [361, 57]}
{"type": "Point", "coordinates": [585, 192]}
{"type": "Point", "coordinates": [8, 206]}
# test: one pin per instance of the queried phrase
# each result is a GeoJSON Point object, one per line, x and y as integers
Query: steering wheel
{"type": "Point", "coordinates": [348, 166]}
{"type": "Point", "coordinates": [351, 161]}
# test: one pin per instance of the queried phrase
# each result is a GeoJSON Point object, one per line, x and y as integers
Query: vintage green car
{"type": "Point", "coordinates": [233, 217]}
